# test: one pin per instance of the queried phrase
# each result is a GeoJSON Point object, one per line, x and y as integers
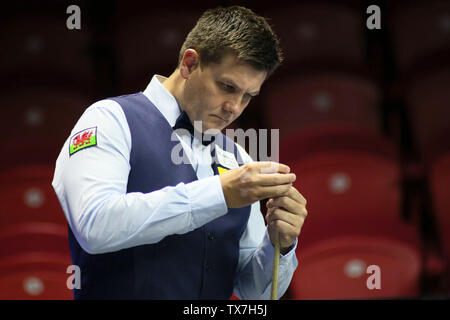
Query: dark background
{"type": "Point", "coordinates": [372, 101]}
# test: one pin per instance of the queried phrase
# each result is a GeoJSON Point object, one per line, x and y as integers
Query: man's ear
{"type": "Point", "coordinates": [190, 61]}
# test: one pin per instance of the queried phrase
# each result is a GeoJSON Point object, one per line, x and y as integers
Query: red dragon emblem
{"type": "Point", "coordinates": [82, 139]}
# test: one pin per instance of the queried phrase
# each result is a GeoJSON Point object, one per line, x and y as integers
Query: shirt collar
{"type": "Point", "coordinates": [163, 100]}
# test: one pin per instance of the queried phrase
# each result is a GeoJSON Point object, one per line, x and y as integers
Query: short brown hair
{"type": "Point", "coordinates": [237, 30]}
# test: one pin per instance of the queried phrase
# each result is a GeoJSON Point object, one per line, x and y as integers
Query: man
{"type": "Point", "coordinates": [143, 225]}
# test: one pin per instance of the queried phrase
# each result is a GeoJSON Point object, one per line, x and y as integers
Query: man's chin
{"type": "Point", "coordinates": [213, 129]}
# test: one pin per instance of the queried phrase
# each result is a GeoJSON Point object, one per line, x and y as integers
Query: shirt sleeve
{"type": "Point", "coordinates": [255, 265]}
{"type": "Point", "coordinates": [91, 186]}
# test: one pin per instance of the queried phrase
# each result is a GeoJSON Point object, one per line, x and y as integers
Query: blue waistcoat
{"type": "Point", "coordinates": [200, 264]}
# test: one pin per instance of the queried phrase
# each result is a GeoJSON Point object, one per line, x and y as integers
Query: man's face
{"type": "Point", "coordinates": [217, 94]}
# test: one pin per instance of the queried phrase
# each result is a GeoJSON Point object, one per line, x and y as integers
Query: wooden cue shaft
{"type": "Point", "coordinates": [276, 263]}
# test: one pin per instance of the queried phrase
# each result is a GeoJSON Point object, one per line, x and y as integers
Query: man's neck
{"type": "Point", "coordinates": [173, 85]}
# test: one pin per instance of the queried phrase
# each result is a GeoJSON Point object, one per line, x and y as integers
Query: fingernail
{"type": "Point", "coordinates": [294, 177]}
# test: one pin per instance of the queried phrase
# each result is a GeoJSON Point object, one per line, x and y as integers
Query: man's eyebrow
{"type": "Point", "coordinates": [231, 82]}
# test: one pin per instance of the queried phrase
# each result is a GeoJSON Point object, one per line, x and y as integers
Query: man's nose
{"type": "Point", "coordinates": [232, 106]}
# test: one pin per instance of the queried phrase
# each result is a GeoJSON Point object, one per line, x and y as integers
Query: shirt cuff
{"type": "Point", "coordinates": [206, 199]}
{"type": "Point", "coordinates": [267, 251]}
{"type": "Point", "coordinates": [291, 250]}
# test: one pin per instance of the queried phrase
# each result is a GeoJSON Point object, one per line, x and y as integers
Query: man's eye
{"type": "Point", "coordinates": [227, 87]}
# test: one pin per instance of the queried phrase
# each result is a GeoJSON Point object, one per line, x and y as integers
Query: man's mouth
{"type": "Point", "coordinates": [214, 115]}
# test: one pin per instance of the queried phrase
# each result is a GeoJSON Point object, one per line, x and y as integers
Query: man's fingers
{"type": "Point", "coordinates": [271, 167]}
{"type": "Point", "coordinates": [286, 232]}
{"type": "Point", "coordinates": [275, 179]}
{"type": "Point", "coordinates": [255, 181]}
{"type": "Point", "coordinates": [294, 220]}
{"type": "Point", "coordinates": [287, 204]}
{"type": "Point", "coordinates": [273, 191]}
{"type": "Point", "coordinates": [294, 194]}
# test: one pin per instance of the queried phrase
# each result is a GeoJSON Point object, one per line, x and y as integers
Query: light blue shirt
{"type": "Point", "coordinates": [91, 187]}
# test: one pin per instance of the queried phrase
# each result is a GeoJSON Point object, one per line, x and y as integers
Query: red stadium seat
{"type": "Point", "coordinates": [339, 269]}
{"type": "Point", "coordinates": [419, 29]}
{"type": "Point", "coordinates": [42, 48]}
{"type": "Point", "coordinates": [350, 178]}
{"type": "Point", "coordinates": [427, 103]}
{"type": "Point", "coordinates": [298, 102]}
{"type": "Point", "coordinates": [427, 97]}
{"type": "Point", "coordinates": [44, 111]}
{"type": "Point", "coordinates": [325, 32]}
{"type": "Point", "coordinates": [148, 44]}
{"type": "Point", "coordinates": [32, 237]}
{"type": "Point", "coordinates": [27, 195]}
{"type": "Point", "coordinates": [33, 262]}
{"type": "Point", "coordinates": [439, 178]}
{"type": "Point", "coordinates": [32, 276]}
{"type": "Point", "coordinates": [36, 122]}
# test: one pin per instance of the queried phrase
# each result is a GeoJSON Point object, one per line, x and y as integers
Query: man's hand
{"type": "Point", "coordinates": [286, 215]}
{"type": "Point", "coordinates": [255, 181]}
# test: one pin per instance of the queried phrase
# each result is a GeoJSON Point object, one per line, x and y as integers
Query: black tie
{"type": "Point", "coordinates": [183, 122]}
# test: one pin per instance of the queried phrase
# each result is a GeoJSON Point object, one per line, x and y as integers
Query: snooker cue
{"type": "Point", "coordinates": [276, 262]}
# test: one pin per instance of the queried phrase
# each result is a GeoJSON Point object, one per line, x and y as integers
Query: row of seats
{"type": "Point", "coordinates": [39, 45]}
{"type": "Point", "coordinates": [418, 30]}
{"type": "Point", "coordinates": [37, 120]}
{"type": "Point", "coordinates": [351, 178]}
{"type": "Point", "coordinates": [34, 255]}
{"type": "Point", "coordinates": [33, 261]}
{"type": "Point", "coordinates": [329, 126]}
{"type": "Point", "coordinates": [329, 136]}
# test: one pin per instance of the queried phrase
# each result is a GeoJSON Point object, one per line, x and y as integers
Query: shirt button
{"type": "Point", "coordinates": [211, 236]}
